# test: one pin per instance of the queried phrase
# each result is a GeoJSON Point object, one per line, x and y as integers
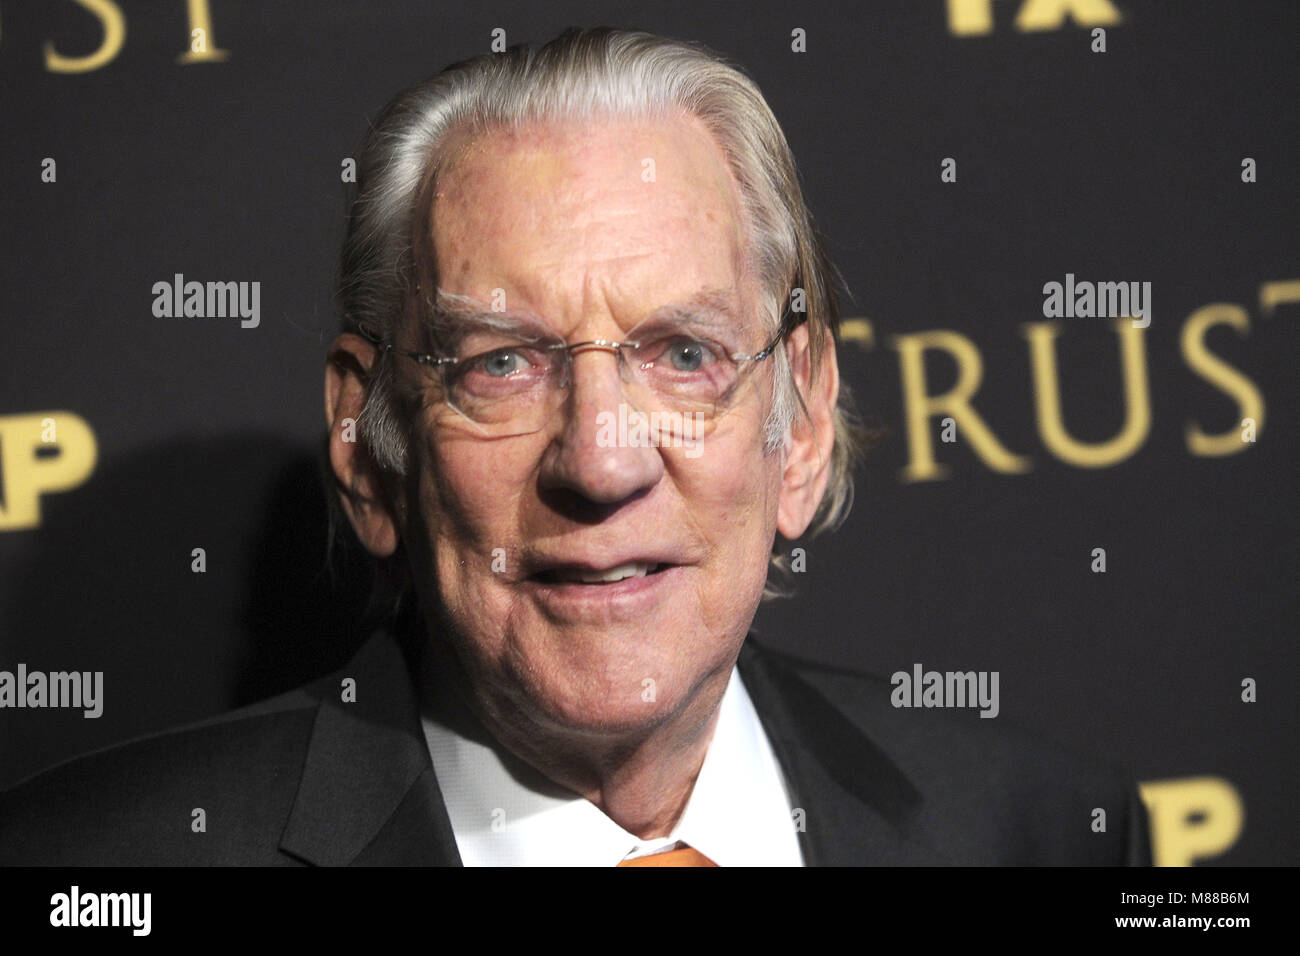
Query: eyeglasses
{"type": "Point", "coordinates": [689, 372]}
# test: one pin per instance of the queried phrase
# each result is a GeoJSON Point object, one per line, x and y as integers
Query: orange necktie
{"type": "Point", "coordinates": [686, 856]}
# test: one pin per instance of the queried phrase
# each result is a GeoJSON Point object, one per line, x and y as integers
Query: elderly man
{"type": "Point", "coordinates": [587, 378]}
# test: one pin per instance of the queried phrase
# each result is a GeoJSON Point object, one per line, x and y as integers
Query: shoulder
{"type": "Point", "coordinates": [985, 788]}
{"type": "Point", "coordinates": [138, 803]}
{"type": "Point", "coordinates": [936, 742]}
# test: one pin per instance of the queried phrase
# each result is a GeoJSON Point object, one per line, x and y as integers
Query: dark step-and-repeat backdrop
{"type": "Point", "coordinates": [1069, 230]}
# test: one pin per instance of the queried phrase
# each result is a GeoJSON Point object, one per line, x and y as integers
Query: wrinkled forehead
{"type": "Point", "coordinates": [549, 157]}
{"type": "Point", "coordinates": [554, 215]}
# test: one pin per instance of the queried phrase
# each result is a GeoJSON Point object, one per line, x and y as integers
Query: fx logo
{"type": "Point", "coordinates": [975, 17]}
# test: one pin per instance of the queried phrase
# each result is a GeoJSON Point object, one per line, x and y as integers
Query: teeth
{"type": "Point", "coordinates": [633, 569]}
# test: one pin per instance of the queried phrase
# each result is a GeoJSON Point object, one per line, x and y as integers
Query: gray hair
{"type": "Point", "coordinates": [585, 73]}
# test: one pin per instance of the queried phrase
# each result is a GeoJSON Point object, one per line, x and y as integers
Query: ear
{"type": "Point", "coordinates": [358, 480]}
{"type": "Point", "coordinates": [812, 437]}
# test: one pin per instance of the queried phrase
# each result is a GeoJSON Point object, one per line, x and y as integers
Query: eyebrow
{"type": "Point", "coordinates": [458, 316]}
{"type": "Point", "coordinates": [711, 307]}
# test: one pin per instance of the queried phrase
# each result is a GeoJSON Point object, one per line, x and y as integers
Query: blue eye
{"type": "Point", "coordinates": [502, 363]}
{"type": "Point", "coordinates": [686, 355]}
{"type": "Point", "coordinates": [501, 372]}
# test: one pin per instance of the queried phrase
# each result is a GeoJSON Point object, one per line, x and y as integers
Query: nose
{"type": "Point", "coordinates": [590, 456]}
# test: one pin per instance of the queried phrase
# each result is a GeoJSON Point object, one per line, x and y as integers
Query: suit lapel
{"type": "Point", "coordinates": [858, 805]}
{"type": "Point", "coordinates": [368, 794]}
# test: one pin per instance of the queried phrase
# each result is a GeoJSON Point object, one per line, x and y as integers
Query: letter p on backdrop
{"type": "Point", "coordinates": [40, 453]}
{"type": "Point", "coordinates": [1192, 818]}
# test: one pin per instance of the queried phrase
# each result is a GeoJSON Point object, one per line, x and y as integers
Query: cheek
{"type": "Point", "coordinates": [731, 493]}
{"type": "Point", "coordinates": [730, 497]}
{"type": "Point", "coordinates": [471, 499]}
{"type": "Point", "coordinates": [474, 489]}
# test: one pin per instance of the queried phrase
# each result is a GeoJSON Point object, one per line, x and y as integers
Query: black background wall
{"type": "Point", "coordinates": [1123, 165]}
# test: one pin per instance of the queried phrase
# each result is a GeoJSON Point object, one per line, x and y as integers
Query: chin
{"type": "Point", "coordinates": [597, 704]}
{"type": "Point", "coordinates": [607, 719]}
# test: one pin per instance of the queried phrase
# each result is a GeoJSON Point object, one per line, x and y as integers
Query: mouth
{"type": "Point", "coordinates": [573, 574]}
{"type": "Point", "coordinates": [603, 592]}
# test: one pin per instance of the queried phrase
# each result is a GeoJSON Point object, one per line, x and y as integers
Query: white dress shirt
{"type": "Point", "coordinates": [505, 813]}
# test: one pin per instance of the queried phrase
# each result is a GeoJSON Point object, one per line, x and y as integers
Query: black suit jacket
{"type": "Point", "coordinates": [305, 778]}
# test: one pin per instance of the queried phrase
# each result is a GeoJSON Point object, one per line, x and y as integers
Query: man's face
{"type": "Point", "coordinates": [567, 225]}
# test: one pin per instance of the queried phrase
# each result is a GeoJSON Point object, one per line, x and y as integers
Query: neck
{"type": "Point", "coordinates": [641, 780]}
